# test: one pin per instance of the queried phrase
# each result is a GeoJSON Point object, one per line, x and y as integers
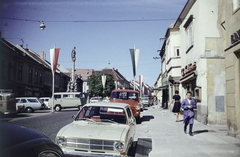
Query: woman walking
{"type": "Point", "coordinates": [176, 99]}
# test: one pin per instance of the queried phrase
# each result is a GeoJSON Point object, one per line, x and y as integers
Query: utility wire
{"type": "Point", "coordinates": [87, 21]}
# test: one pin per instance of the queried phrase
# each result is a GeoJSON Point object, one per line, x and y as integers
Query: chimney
{"type": "Point", "coordinates": [43, 55]}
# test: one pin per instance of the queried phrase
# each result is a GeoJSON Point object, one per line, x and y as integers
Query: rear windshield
{"type": "Point", "coordinates": [124, 96]}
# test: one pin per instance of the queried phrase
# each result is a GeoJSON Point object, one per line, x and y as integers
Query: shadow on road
{"type": "Point", "coordinates": [146, 118]}
{"type": "Point", "coordinates": [202, 131]}
{"type": "Point", "coordinates": [15, 116]}
{"type": "Point", "coordinates": [140, 148]}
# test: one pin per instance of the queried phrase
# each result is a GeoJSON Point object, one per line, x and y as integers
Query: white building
{"type": "Point", "coordinates": [194, 58]}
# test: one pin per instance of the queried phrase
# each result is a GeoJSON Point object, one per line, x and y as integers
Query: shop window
{"type": "Point", "coordinates": [236, 5]}
{"type": "Point", "coordinates": [198, 94]}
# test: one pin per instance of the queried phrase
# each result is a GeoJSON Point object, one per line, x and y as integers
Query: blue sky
{"type": "Point", "coordinates": [84, 24]}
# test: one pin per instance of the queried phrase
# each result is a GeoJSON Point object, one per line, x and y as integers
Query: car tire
{"type": "Point", "coordinates": [29, 110]}
{"type": "Point", "coordinates": [58, 108]}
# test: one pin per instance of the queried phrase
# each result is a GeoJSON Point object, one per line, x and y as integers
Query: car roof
{"type": "Point", "coordinates": [108, 104]}
{"type": "Point", "coordinates": [125, 90]}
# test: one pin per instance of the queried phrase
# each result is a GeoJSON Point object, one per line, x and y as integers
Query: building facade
{"type": "Point", "coordinates": [194, 58]}
{"type": "Point", "coordinates": [232, 66]}
{"type": "Point", "coordinates": [26, 73]}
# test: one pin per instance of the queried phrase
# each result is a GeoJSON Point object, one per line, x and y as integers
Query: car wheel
{"type": "Point", "coordinates": [29, 110]}
{"type": "Point", "coordinates": [58, 108]}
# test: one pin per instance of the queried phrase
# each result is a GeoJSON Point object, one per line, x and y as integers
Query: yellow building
{"type": "Point", "coordinates": [232, 60]}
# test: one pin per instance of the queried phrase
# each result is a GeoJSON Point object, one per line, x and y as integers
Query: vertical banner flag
{"type": "Point", "coordinates": [54, 53]}
{"type": "Point", "coordinates": [134, 56]}
{"type": "Point", "coordinates": [104, 81]}
{"type": "Point", "coordinates": [140, 80]}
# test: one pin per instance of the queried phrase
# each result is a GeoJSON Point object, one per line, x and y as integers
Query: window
{"type": "Point", "coordinates": [68, 96]}
{"type": "Point", "coordinates": [30, 74]}
{"type": "Point", "coordinates": [9, 70]}
{"type": "Point", "coordinates": [3, 72]}
{"type": "Point", "coordinates": [20, 70]}
{"type": "Point", "coordinates": [57, 96]}
{"type": "Point", "coordinates": [190, 35]}
{"type": "Point", "coordinates": [36, 77]}
{"type": "Point", "coordinates": [32, 100]}
{"type": "Point", "coordinates": [22, 101]}
{"type": "Point", "coordinates": [236, 5]}
{"type": "Point", "coordinates": [40, 78]}
{"type": "Point", "coordinates": [176, 51]}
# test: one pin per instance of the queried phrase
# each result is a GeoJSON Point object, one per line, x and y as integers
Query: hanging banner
{"type": "Point", "coordinates": [140, 80]}
{"type": "Point", "coordinates": [103, 81]}
{"type": "Point", "coordinates": [135, 57]}
{"type": "Point", "coordinates": [54, 53]}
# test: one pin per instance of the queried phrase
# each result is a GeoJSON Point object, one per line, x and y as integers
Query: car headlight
{"type": "Point", "coordinates": [61, 141]}
{"type": "Point", "coordinates": [137, 107]}
{"type": "Point", "coordinates": [119, 146]}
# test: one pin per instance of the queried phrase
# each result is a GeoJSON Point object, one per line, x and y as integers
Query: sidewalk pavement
{"type": "Point", "coordinates": [167, 139]}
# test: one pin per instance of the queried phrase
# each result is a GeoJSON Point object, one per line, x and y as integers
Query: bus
{"type": "Point", "coordinates": [7, 102]}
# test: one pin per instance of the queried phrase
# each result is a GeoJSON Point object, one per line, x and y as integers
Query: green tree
{"type": "Point", "coordinates": [96, 87]}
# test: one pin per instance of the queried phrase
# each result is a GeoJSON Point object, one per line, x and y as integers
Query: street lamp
{"type": "Point", "coordinates": [42, 26]}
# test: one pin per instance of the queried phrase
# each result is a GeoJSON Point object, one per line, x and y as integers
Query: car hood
{"type": "Point", "coordinates": [92, 130]}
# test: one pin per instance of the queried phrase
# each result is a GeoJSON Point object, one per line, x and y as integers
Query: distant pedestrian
{"type": "Point", "coordinates": [155, 102]}
{"type": "Point", "coordinates": [176, 101]}
{"type": "Point", "coordinates": [188, 105]}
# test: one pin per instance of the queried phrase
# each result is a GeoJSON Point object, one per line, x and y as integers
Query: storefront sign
{"type": "Point", "coordinates": [188, 68]}
{"type": "Point", "coordinates": [235, 37]}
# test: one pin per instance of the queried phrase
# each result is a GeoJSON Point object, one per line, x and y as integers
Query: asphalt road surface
{"type": "Point", "coordinates": [50, 123]}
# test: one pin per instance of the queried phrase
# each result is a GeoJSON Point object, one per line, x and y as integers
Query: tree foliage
{"type": "Point", "coordinates": [96, 87]}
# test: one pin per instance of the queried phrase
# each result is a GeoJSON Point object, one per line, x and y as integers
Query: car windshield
{"type": "Point", "coordinates": [102, 114]}
{"type": "Point", "coordinates": [125, 95]}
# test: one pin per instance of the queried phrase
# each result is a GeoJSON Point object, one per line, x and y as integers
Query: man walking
{"type": "Point", "coordinates": [188, 105]}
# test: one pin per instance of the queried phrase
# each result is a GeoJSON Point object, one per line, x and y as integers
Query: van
{"type": "Point", "coordinates": [130, 97]}
{"type": "Point", "coordinates": [64, 100]}
{"type": "Point", "coordinates": [7, 102]}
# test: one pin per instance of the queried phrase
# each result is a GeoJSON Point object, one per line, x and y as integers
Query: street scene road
{"type": "Point", "coordinates": [157, 135]}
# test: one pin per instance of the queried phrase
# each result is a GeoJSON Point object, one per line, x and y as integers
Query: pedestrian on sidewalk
{"type": "Point", "coordinates": [155, 102]}
{"type": "Point", "coordinates": [188, 105]}
{"type": "Point", "coordinates": [176, 101]}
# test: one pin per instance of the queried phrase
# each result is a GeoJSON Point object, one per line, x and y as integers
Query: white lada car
{"type": "Point", "coordinates": [99, 129]}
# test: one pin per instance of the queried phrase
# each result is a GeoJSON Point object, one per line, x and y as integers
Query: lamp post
{"type": "Point", "coordinates": [103, 82]}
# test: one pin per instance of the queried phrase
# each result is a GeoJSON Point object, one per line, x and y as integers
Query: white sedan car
{"type": "Point", "coordinates": [99, 129]}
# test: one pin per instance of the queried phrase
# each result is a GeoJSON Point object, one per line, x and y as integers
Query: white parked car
{"type": "Point", "coordinates": [30, 103]}
{"type": "Point", "coordinates": [95, 99]}
{"type": "Point", "coordinates": [99, 129]}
